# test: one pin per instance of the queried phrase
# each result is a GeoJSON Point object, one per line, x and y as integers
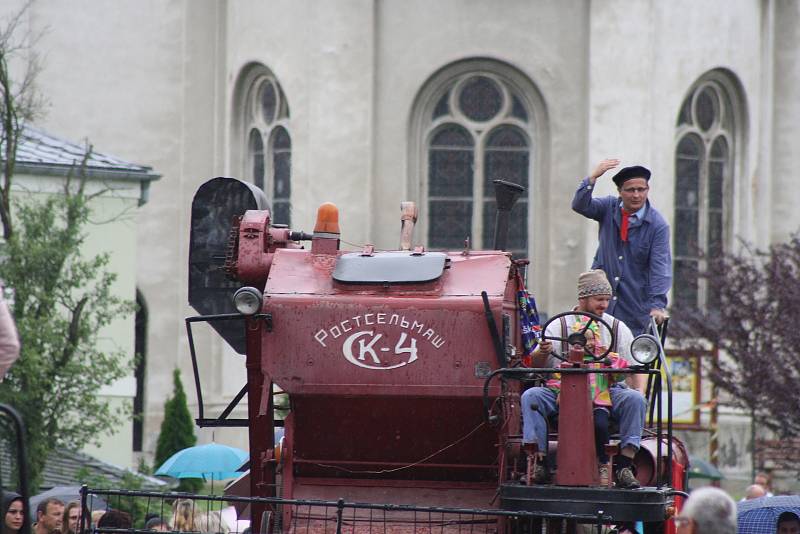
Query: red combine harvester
{"type": "Point", "coordinates": [404, 375]}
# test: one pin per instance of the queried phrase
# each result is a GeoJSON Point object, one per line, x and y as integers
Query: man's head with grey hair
{"type": "Point", "coordinates": [708, 510]}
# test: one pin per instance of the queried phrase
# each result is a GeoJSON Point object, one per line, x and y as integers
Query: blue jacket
{"type": "Point", "coordinates": [640, 270]}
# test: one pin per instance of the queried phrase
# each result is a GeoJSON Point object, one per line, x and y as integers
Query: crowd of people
{"type": "Point", "coordinates": [53, 517]}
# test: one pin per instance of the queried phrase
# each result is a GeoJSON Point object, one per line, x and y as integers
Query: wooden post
{"type": "Point", "coordinates": [713, 423]}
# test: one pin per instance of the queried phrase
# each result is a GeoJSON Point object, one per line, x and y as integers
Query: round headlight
{"type": "Point", "coordinates": [247, 300]}
{"type": "Point", "coordinates": [644, 349]}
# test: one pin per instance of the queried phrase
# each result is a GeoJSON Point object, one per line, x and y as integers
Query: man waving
{"type": "Point", "coordinates": [633, 247]}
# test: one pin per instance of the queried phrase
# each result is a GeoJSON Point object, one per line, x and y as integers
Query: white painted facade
{"type": "Point", "coordinates": [157, 82]}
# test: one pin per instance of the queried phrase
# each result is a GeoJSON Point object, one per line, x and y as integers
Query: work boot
{"type": "Point", "coordinates": [603, 472]}
{"type": "Point", "coordinates": [540, 474]}
{"type": "Point", "coordinates": [625, 479]}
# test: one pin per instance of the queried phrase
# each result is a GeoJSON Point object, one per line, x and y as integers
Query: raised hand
{"type": "Point", "coordinates": [603, 167]}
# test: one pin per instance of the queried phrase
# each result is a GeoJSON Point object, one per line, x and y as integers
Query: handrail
{"type": "Point", "coordinates": [22, 462]}
{"type": "Point", "coordinates": [222, 420]}
{"type": "Point", "coordinates": [661, 336]}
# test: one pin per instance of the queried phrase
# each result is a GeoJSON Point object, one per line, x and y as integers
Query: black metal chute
{"type": "Point", "coordinates": [215, 206]}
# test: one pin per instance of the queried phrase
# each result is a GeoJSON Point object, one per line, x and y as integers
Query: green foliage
{"type": "Point", "coordinates": [61, 302]}
{"type": "Point", "coordinates": [144, 468]}
{"type": "Point", "coordinates": [177, 432]}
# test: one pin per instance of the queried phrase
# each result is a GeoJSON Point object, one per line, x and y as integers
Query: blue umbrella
{"type": "Point", "coordinates": [761, 515]}
{"type": "Point", "coordinates": [212, 461]}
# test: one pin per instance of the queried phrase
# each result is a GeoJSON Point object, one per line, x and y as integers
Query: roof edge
{"type": "Point", "coordinates": [49, 169]}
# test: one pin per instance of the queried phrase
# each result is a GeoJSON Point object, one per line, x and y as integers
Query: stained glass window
{"type": "Point", "coordinates": [480, 99]}
{"type": "Point", "coordinates": [269, 101]}
{"type": "Point", "coordinates": [257, 157]}
{"type": "Point", "coordinates": [281, 176]}
{"type": "Point", "coordinates": [269, 145]}
{"type": "Point", "coordinates": [450, 174]}
{"type": "Point", "coordinates": [702, 176]}
{"type": "Point", "coordinates": [475, 140]}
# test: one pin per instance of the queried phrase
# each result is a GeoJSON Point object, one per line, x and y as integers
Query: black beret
{"type": "Point", "coordinates": [628, 173]}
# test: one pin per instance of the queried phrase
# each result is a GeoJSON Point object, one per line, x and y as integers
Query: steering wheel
{"type": "Point", "coordinates": [579, 338]}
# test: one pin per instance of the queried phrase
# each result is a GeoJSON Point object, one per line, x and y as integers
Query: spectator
{"type": "Point", "coordinates": [115, 519]}
{"type": "Point", "coordinates": [187, 518]}
{"type": "Point", "coordinates": [9, 341]}
{"type": "Point", "coordinates": [49, 516]}
{"type": "Point", "coordinates": [763, 480]}
{"type": "Point", "coordinates": [156, 524]}
{"type": "Point", "coordinates": [183, 515]}
{"type": "Point", "coordinates": [708, 510]}
{"type": "Point", "coordinates": [72, 515]}
{"type": "Point", "coordinates": [14, 515]}
{"type": "Point", "coordinates": [210, 522]}
{"type": "Point", "coordinates": [788, 523]}
{"type": "Point", "coordinates": [96, 515]}
{"type": "Point", "coordinates": [754, 491]}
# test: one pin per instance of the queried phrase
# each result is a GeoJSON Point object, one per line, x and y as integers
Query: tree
{"type": "Point", "coordinates": [61, 303]}
{"type": "Point", "coordinates": [177, 431]}
{"type": "Point", "coordinates": [61, 300]}
{"type": "Point", "coordinates": [19, 102]}
{"type": "Point", "coordinates": [753, 318]}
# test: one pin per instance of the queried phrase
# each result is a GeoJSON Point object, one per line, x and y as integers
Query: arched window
{"type": "Point", "coordinates": [475, 125]}
{"type": "Point", "coordinates": [268, 145]}
{"type": "Point", "coordinates": [704, 178]}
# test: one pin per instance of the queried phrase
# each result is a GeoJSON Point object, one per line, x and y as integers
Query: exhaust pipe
{"type": "Point", "coordinates": [506, 194]}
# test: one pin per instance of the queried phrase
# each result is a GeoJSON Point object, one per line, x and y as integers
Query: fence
{"type": "Point", "coordinates": [224, 514]}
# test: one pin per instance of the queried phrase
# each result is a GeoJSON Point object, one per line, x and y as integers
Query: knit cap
{"type": "Point", "coordinates": [593, 283]}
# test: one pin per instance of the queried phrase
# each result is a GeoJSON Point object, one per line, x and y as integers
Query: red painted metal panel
{"type": "Point", "coordinates": [393, 438]}
{"type": "Point", "coordinates": [425, 340]}
{"type": "Point", "coordinates": [385, 383]}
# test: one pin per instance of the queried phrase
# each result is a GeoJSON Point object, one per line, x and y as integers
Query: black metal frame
{"type": "Point", "coordinates": [222, 420]}
{"type": "Point", "coordinates": [22, 463]}
{"type": "Point", "coordinates": [468, 517]}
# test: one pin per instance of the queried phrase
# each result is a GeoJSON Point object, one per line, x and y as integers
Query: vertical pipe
{"type": "Point", "coordinates": [82, 524]}
{"type": "Point", "coordinates": [753, 468]}
{"type": "Point", "coordinates": [506, 194]}
{"type": "Point", "coordinates": [339, 509]}
{"type": "Point", "coordinates": [408, 217]}
{"type": "Point", "coordinates": [261, 430]}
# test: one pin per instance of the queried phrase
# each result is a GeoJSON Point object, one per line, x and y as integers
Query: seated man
{"type": "Point", "coordinates": [628, 405]}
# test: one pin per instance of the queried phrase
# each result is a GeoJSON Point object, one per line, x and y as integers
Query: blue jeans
{"type": "Point", "coordinates": [628, 409]}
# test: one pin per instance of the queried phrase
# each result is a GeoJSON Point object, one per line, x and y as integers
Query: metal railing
{"type": "Point", "coordinates": [7, 413]}
{"type": "Point", "coordinates": [303, 516]}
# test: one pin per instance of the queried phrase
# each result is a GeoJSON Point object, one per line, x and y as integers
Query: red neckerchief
{"type": "Point", "coordinates": [623, 229]}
